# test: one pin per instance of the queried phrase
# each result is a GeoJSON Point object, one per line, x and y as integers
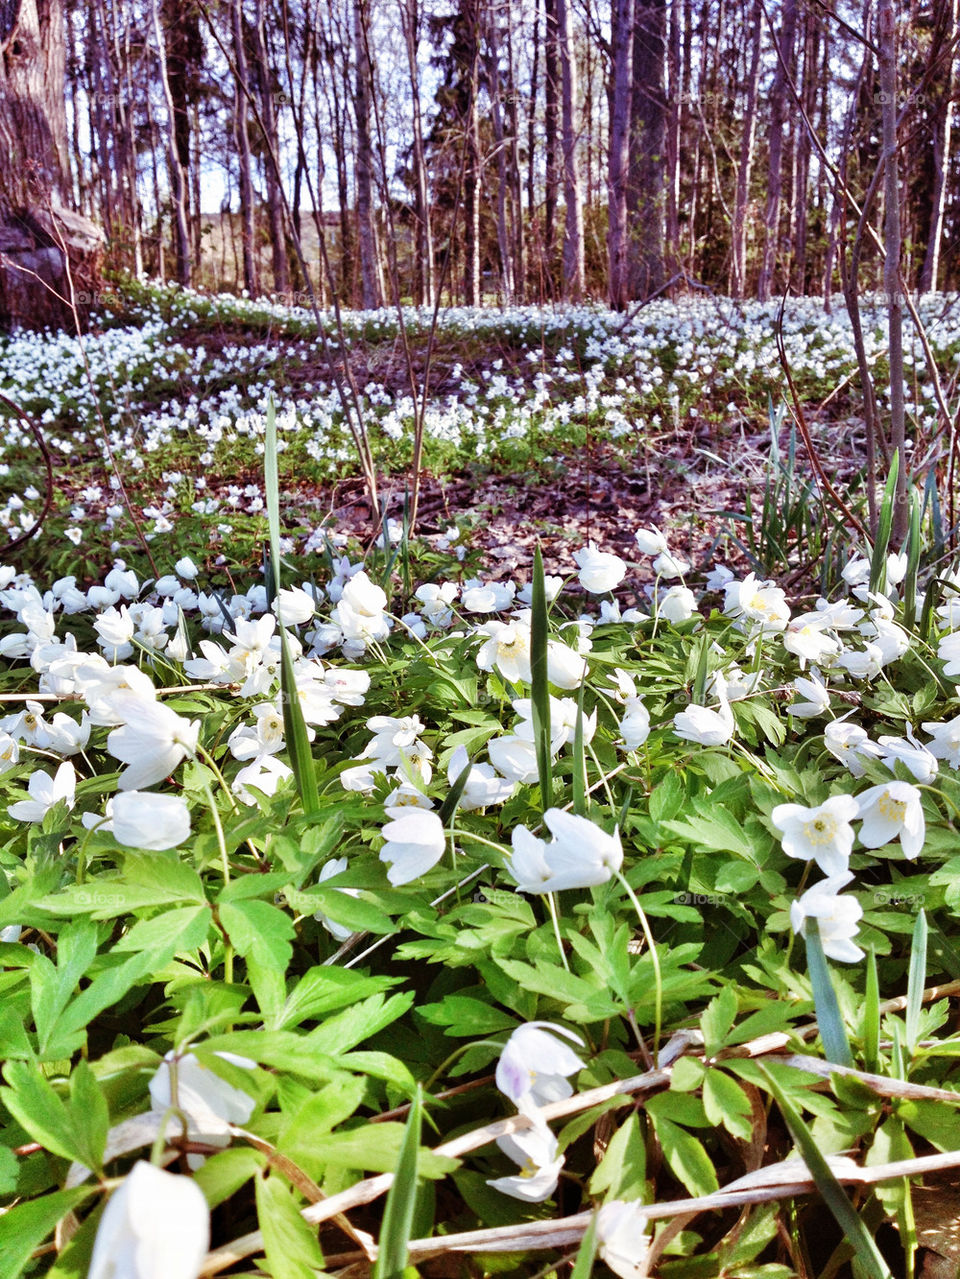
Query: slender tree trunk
{"type": "Point", "coordinates": [573, 268]}
{"type": "Point", "coordinates": [738, 248]}
{"type": "Point", "coordinates": [621, 42]}
{"type": "Point", "coordinates": [946, 31]}
{"type": "Point", "coordinates": [251, 266]}
{"type": "Point", "coordinates": [674, 100]}
{"type": "Point", "coordinates": [516, 182]}
{"type": "Point", "coordinates": [178, 186]}
{"type": "Point", "coordinates": [425, 271]}
{"type": "Point", "coordinates": [268, 117]}
{"type": "Point", "coordinates": [551, 127]}
{"type": "Point", "coordinates": [887, 45]}
{"type": "Point", "coordinates": [471, 167]}
{"type": "Point", "coordinates": [504, 245]}
{"type": "Point", "coordinates": [778, 117]}
{"type": "Point", "coordinates": [646, 199]}
{"type": "Point", "coordinates": [366, 231]}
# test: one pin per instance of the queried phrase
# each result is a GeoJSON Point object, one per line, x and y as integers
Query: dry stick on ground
{"type": "Point", "coordinates": [569, 1230]}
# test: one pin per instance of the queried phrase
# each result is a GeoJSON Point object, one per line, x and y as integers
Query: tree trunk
{"type": "Point", "coordinates": [178, 185]}
{"type": "Point", "coordinates": [621, 41]}
{"type": "Point", "coordinates": [268, 115]}
{"type": "Point", "coordinates": [425, 266]}
{"type": "Point", "coordinates": [887, 45]}
{"type": "Point", "coordinates": [504, 245]}
{"type": "Point", "coordinates": [251, 273]}
{"type": "Point", "coordinates": [44, 245]}
{"type": "Point", "coordinates": [366, 231]}
{"type": "Point", "coordinates": [471, 167]}
{"type": "Point", "coordinates": [573, 270]}
{"type": "Point", "coordinates": [738, 247]}
{"type": "Point", "coordinates": [645, 189]}
{"type": "Point", "coordinates": [945, 36]}
{"type": "Point", "coordinates": [551, 128]}
{"type": "Point", "coordinates": [778, 117]}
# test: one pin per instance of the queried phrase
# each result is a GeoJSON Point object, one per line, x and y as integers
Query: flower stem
{"type": "Point", "coordinates": [655, 960]}
{"type": "Point", "coordinates": [554, 916]}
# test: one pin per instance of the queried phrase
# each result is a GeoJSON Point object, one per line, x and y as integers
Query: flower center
{"type": "Point", "coordinates": [821, 830]}
{"type": "Point", "coordinates": [892, 809]}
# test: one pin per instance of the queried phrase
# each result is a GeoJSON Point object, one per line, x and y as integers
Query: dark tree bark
{"type": "Point", "coordinates": [551, 129]}
{"type": "Point", "coordinates": [738, 247]}
{"type": "Point", "coordinates": [44, 244]}
{"type": "Point", "coordinates": [370, 295]}
{"type": "Point", "coordinates": [646, 202]}
{"type": "Point", "coordinates": [779, 96]}
{"type": "Point", "coordinates": [573, 265]}
{"type": "Point", "coordinates": [251, 273]}
{"type": "Point", "coordinates": [268, 117]}
{"type": "Point", "coordinates": [621, 42]}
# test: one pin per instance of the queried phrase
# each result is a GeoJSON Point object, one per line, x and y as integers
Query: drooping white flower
{"type": "Point", "coordinates": [152, 743]}
{"type": "Point", "coordinates": [336, 866]}
{"type": "Point", "coordinates": [45, 791]}
{"type": "Point", "coordinates": [837, 917]}
{"type": "Point", "coordinates": [513, 756]}
{"type": "Point", "coordinates": [534, 1065]}
{"type": "Point", "coordinates": [484, 786]}
{"type": "Point", "coordinates": [144, 820]}
{"type": "Point", "coordinates": [948, 651]}
{"type": "Point", "coordinates": [535, 1150]}
{"type": "Point", "coordinates": [650, 541]}
{"type": "Point", "coordinates": [822, 834]}
{"type": "Point", "coordinates": [817, 695]}
{"type": "Point", "coordinates": [600, 571]}
{"type": "Point", "coordinates": [704, 725]}
{"type": "Point", "coordinates": [623, 1239]}
{"type": "Point", "coordinates": [849, 744]}
{"type": "Point", "coordinates": [580, 855]}
{"type": "Point", "coordinates": [668, 565]}
{"type": "Point", "coordinates": [156, 1225]}
{"type": "Point", "coordinates": [944, 740]}
{"type": "Point", "coordinates": [209, 1103]}
{"type": "Point", "coordinates": [565, 667]}
{"type": "Point", "coordinates": [415, 843]}
{"type": "Point", "coordinates": [678, 604]}
{"type": "Point", "coordinates": [865, 663]}
{"type": "Point", "coordinates": [920, 761]}
{"type": "Point", "coordinates": [264, 773]}
{"type": "Point", "coordinates": [890, 811]}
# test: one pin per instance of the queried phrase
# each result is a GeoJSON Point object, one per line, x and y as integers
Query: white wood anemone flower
{"type": "Point", "coordinates": [156, 1225]}
{"type": "Point", "coordinates": [822, 834]}
{"type": "Point", "coordinates": [837, 917]}
{"type": "Point", "coordinates": [892, 811]}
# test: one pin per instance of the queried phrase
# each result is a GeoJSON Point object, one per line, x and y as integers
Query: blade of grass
{"type": "Point", "coordinates": [871, 1017]}
{"type": "Point", "coordinates": [294, 726]}
{"type": "Point", "coordinates": [539, 694]}
{"type": "Point", "coordinates": [915, 980]}
{"type": "Point", "coordinates": [392, 1252]}
{"type": "Point", "coordinates": [449, 805]}
{"type": "Point", "coordinates": [878, 560]}
{"type": "Point", "coordinates": [832, 1030]}
{"type": "Point", "coordinates": [913, 564]}
{"type": "Point", "coordinates": [867, 1252]}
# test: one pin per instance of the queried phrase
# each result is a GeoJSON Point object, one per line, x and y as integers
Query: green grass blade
{"type": "Point", "coordinates": [294, 727]}
{"type": "Point", "coordinates": [878, 561]}
{"type": "Point", "coordinates": [913, 564]}
{"type": "Point", "coordinates": [867, 1252]}
{"type": "Point", "coordinates": [832, 1030]}
{"type": "Point", "coordinates": [539, 695]}
{"type": "Point", "coordinates": [586, 1253]}
{"type": "Point", "coordinates": [915, 981]}
{"type": "Point", "coordinates": [871, 1017]}
{"type": "Point", "coordinates": [449, 805]}
{"type": "Point", "coordinates": [700, 678]}
{"type": "Point", "coordinates": [401, 1200]}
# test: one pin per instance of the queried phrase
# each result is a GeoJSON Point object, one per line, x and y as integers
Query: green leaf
{"type": "Point", "coordinates": [26, 1225]}
{"type": "Point", "coordinates": [222, 1174]}
{"type": "Point", "coordinates": [174, 930]}
{"type": "Point", "coordinates": [401, 1200]}
{"type": "Point", "coordinates": [52, 987]}
{"type": "Point", "coordinates": [291, 1245]}
{"type": "Point", "coordinates": [871, 1016]}
{"type": "Point", "coordinates": [579, 759]}
{"type": "Point", "coordinates": [260, 929]}
{"type": "Point", "coordinates": [878, 560]}
{"type": "Point", "coordinates": [90, 1115]}
{"type": "Point", "coordinates": [833, 1033]}
{"type": "Point", "coordinates": [623, 1169]}
{"type": "Point", "coordinates": [449, 806]}
{"type": "Point", "coordinates": [688, 1160]}
{"type": "Point", "coordinates": [717, 1019]}
{"type": "Point", "coordinates": [40, 1110]}
{"type": "Point", "coordinates": [726, 1103]}
{"type": "Point", "coordinates": [830, 1189]}
{"type": "Point", "coordinates": [587, 1252]}
{"type": "Point", "coordinates": [466, 1017]}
